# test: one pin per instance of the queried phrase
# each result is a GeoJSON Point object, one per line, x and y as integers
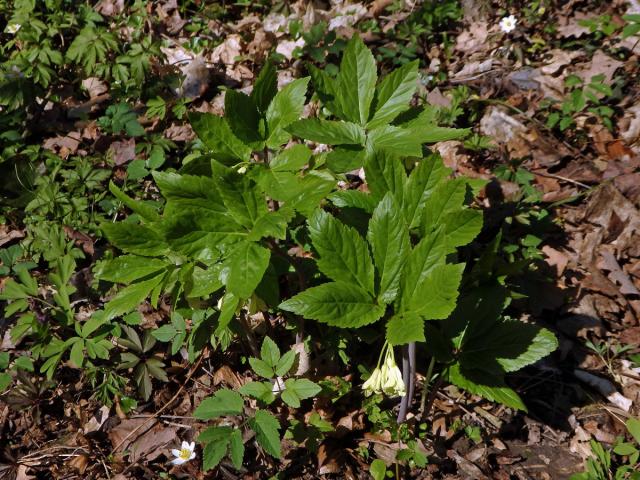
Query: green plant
{"type": "Point", "coordinates": [219, 441]}
{"type": "Point", "coordinates": [583, 96]}
{"type": "Point", "coordinates": [602, 466]}
{"type": "Point", "coordinates": [272, 366]}
{"type": "Point", "coordinates": [141, 360]}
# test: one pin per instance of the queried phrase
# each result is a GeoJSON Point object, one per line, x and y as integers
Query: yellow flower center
{"type": "Point", "coordinates": [185, 454]}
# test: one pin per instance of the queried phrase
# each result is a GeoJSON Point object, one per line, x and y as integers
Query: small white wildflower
{"type": "Point", "coordinates": [278, 386]}
{"type": "Point", "coordinates": [508, 24]}
{"type": "Point", "coordinates": [242, 170]}
{"type": "Point", "coordinates": [186, 453]}
{"type": "Point", "coordinates": [12, 28]}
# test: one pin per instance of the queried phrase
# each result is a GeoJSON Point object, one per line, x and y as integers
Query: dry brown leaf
{"type": "Point", "coordinates": [600, 64]}
{"type": "Point", "coordinates": [570, 26]}
{"type": "Point", "coordinates": [556, 258]}
{"type": "Point", "coordinates": [94, 86]}
{"type": "Point", "coordinates": [110, 8]}
{"type": "Point", "coordinates": [473, 39]}
{"type": "Point", "coordinates": [64, 145]}
{"type": "Point", "coordinates": [7, 235]}
{"type": "Point", "coordinates": [123, 151]}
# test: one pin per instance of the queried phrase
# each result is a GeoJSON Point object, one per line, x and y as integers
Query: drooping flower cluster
{"type": "Point", "coordinates": [387, 378]}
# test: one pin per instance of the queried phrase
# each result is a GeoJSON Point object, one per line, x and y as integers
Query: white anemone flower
{"type": "Point", "coordinates": [187, 452]}
{"type": "Point", "coordinates": [508, 24]}
{"type": "Point", "coordinates": [12, 28]}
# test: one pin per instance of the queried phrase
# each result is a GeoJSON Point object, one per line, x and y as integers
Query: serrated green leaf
{"type": "Point", "coordinates": [202, 234]}
{"type": "Point", "coordinates": [462, 227]}
{"type": "Point", "coordinates": [436, 294]}
{"type": "Point", "coordinates": [246, 265]}
{"type": "Point", "coordinates": [144, 210]}
{"type": "Point", "coordinates": [214, 452]}
{"type": "Point", "coordinates": [405, 328]}
{"type": "Point", "coordinates": [385, 173]}
{"type": "Point", "coordinates": [328, 131]}
{"type": "Point", "coordinates": [285, 108]}
{"type": "Point", "coordinates": [216, 135]}
{"type": "Point", "coordinates": [269, 352]}
{"type": "Point", "coordinates": [429, 252]}
{"type": "Point", "coordinates": [447, 197]}
{"type": "Point", "coordinates": [261, 367]}
{"type": "Point", "coordinates": [261, 390]}
{"type": "Point", "coordinates": [356, 81]}
{"type": "Point", "coordinates": [271, 224]}
{"type": "Point", "coordinates": [223, 402]}
{"type": "Point", "coordinates": [266, 87]}
{"type": "Point", "coordinates": [266, 427]}
{"type": "Point", "coordinates": [398, 140]}
{"type": "Point", "coordinates": [486, 385]}
{"type": "Point", "coordinates": [239, 195]}
{"type": "Point", "coordinates": [136, 239]}
{"type": "Point", "coordinates": [184, 191]}
{"type": "Point", "coordinates": [292, 159]}
{"type": "Point", "coordinates": [285, 363]}
{"type": "Point", "coordinates": [127, 268]}
{"type": "Point", "coordinates": [303, 387]}
{"type": "Point", "coordinates": [236, 448]}
{"type": "Point", "coordinates": [354, 199]}
{"type": "Point", "coordinates": [130, 297]}
{"type": "Point", "coordinates": [393, 94]}
{"type": "Point", "coordinates": [424, 178]}
{"type": "Point", "coordinates": [165, 333]}
{"type": "Point", "coordinates": [290, 398]}
{"type": "Point", "coordinates": [339, 304]}
{"type": "Point", "coordinates": [344, 254]}
{"type": "Point", "coordinates": [389, 240]}
{"type": "Point", "coordinates": [242, 116]}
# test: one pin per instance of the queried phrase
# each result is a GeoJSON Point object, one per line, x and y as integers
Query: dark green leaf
{"type": "Point", "coordinates": [127, 268]}
{"type": "Point", "coordinates": [393, 94]}
{"type": "Point", "coordinates": [266, 427]}
{"type": "Point", "coordinates": [356, 81]}
{"type": "Point", "coordinates": [223, 402]}
{"type": "Point", "coordinates": [136, 239]}
{"type": "Point", "coordinates": [236, 448]}
{"type": "Point", "coordinates": [405, 328]}
{"type": "Point", "coordinates": [130, 297]}
{"type": "Point", "coordinates": [266, 87]}
{"type": "Point", "coordinates": [246, 265]}
{"type": "Point", "coordinates": [343, 252]}
{"type": "Point", "coordinates": [328, 131]}
{"type": "Point", "coordinates": [389, 239]}
{"type": "Point", "coordinates": [285, 109]}
{"type": "Point", "coordinates": [242, 116]}
{"type": "Point", "coordinates": [339, 304]}
{"type": "Point", "coordinates": [217, 136]}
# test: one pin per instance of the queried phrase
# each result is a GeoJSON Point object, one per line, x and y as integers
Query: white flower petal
{"type": "Point", "coordinates": [185, 445]}
{"type": "Point", "coordinates": [178, 461]}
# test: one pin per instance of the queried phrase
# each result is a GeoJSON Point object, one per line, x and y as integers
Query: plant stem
{"type": "Point", "coordinates": [425, 388]}
{"type": "Point", "coordinates": [412, 370]}
{"type": "Point", "coordinates": [404, 402]}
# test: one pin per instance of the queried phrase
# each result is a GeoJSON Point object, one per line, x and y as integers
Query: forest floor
{"type": "Point", "coordinates": [554, 107]}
